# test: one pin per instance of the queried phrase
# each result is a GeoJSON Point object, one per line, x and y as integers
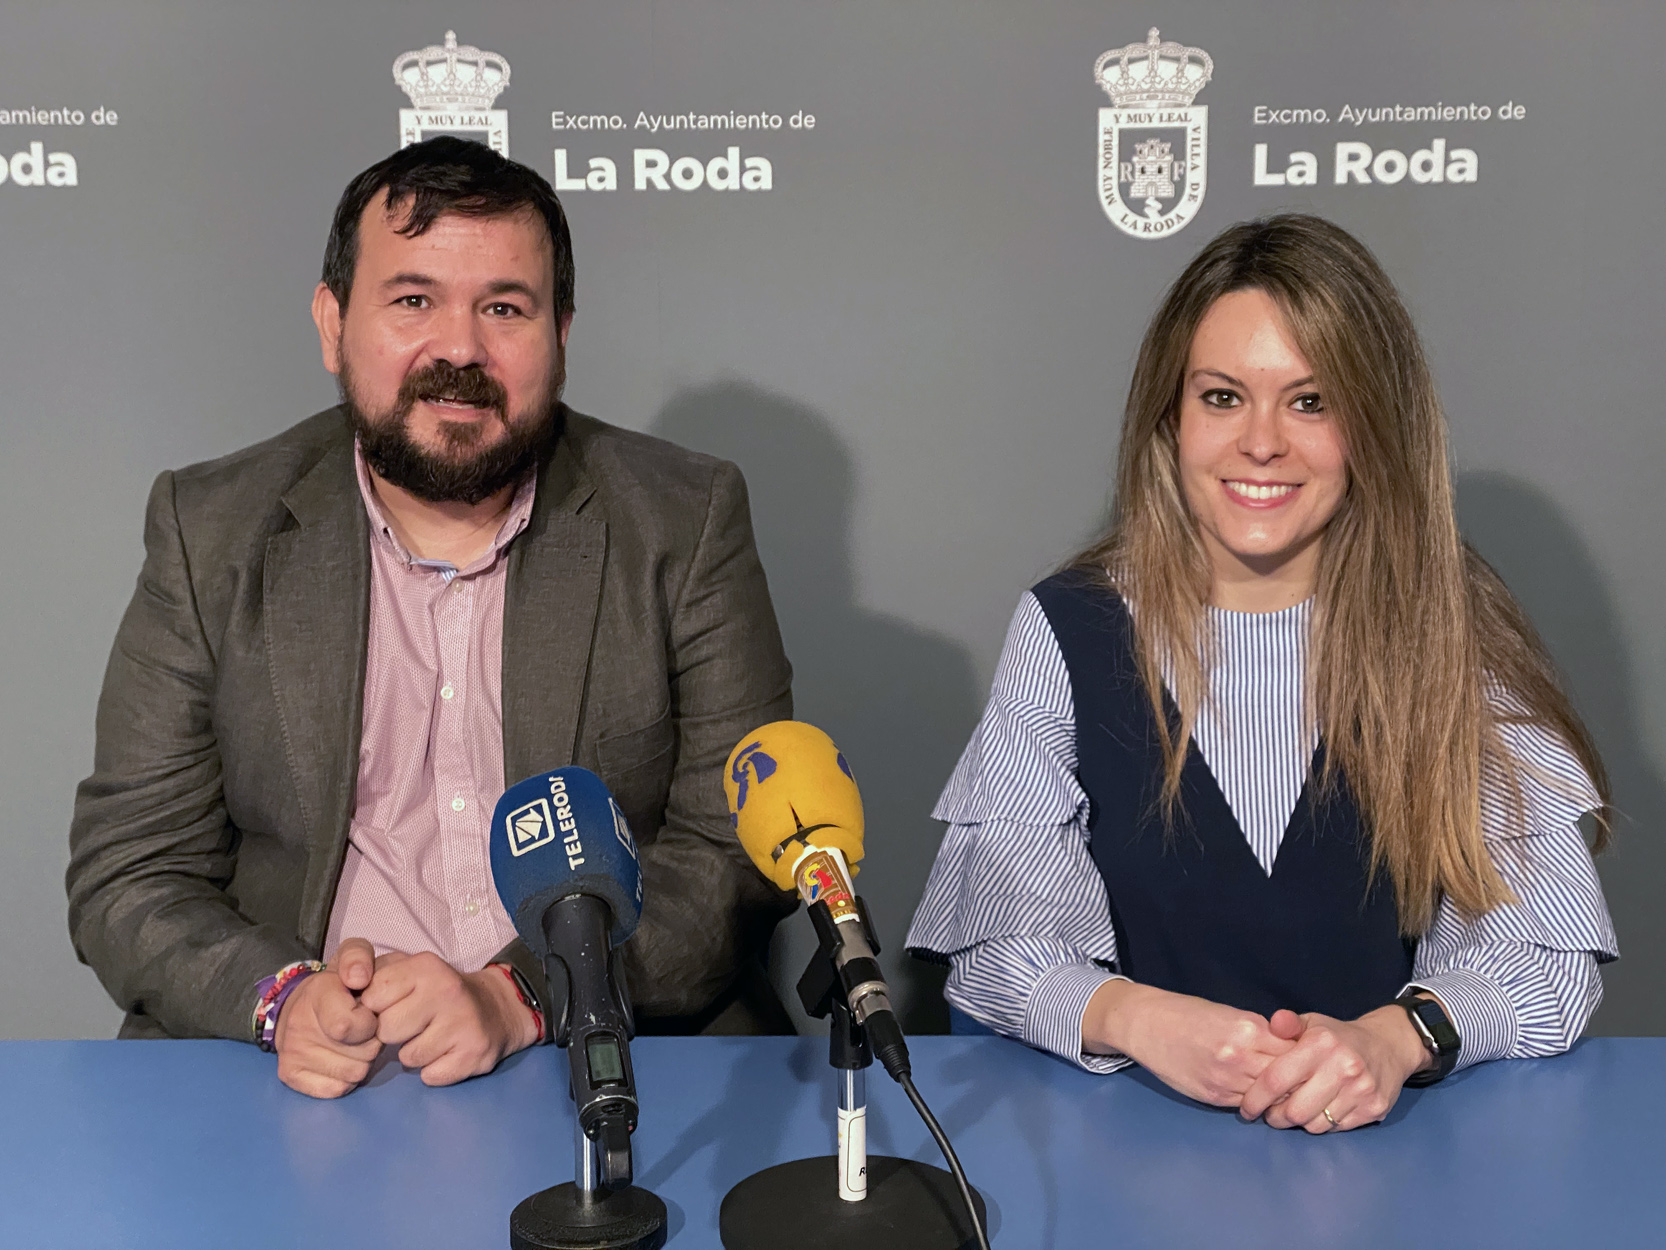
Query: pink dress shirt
{"type": "Point", "coordinates": [418, 875]}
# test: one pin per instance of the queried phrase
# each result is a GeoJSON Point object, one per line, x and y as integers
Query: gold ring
{"type": "Point", "coordinates": [1327, 1115]}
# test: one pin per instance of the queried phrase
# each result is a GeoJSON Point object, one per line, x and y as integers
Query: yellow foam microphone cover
{"type": "Point", "coordinates": [789, 789]}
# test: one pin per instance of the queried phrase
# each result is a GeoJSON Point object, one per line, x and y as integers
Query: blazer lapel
{"type": "Point", "coordinates": [549, 619]}
{"type": "Point", "coordinates": [317, 615]}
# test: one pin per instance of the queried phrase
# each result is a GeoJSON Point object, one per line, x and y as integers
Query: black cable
{"type": "Point", "coordinates": [907, 1083]}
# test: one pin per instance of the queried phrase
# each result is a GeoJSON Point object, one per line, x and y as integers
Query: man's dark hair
{"type": "Point", "coordinates": [441, 175]}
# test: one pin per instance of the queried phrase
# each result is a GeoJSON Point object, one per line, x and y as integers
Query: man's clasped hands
{"type": "Point", "coordinates": [452, 1025]}
{"type": "Point", "coordinates": [1293, 1071]}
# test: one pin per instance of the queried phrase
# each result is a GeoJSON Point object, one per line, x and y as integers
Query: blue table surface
{"type": "Point", "coordinates": [183, 1144]}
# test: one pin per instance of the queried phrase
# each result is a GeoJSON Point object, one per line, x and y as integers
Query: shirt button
{"type": "Point", "coordinates": [446, 692]}
{"type": "Point", "coordinates": [456, 588]}
{"type": "Point", "coordinates": [471, 908]}
{"type": "Point", "coordinates": [457, 804]}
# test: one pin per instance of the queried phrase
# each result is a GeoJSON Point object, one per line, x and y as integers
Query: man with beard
{"type": "Point", "coordinates": [346, 639]}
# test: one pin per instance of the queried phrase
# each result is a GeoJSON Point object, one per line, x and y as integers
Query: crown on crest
{"type": "Point", "coordinates": [452, 75]}
{"type": "Point", "coordinates": [1154, 73]}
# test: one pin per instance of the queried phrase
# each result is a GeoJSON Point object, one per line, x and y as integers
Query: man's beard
{"type": "Point", "coordinates": [466, 470]}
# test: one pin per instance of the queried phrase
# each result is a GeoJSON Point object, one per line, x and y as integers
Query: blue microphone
{"type": "Point", "coordinates": [565, 866]}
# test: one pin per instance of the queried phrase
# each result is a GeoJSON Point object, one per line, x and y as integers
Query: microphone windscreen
{"type": "Point", "coordinates": [789, 788]}
{"type": "Point", "coordinates": [558, 834]}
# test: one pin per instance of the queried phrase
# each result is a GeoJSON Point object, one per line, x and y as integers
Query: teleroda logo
{"type": "Point", "coordinates": [452, 88]}
{"type": "Point", "coordinates": [529, 827]}
{"type": "Point", "coordinates": [622, 828]}
{"type": "Point", "coordinates": [622, 831]}
{"type": "Point", "coordinates": [1153, 141]}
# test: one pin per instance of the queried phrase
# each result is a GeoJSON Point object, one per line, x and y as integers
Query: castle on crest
{"type": "Point", "coordinates": [1152, 171]}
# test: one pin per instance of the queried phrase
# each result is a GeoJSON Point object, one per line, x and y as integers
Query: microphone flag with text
{"type": "Point", "coordinates": [565, 865]}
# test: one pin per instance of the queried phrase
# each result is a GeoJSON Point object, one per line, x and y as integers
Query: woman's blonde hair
{"type": "Point", "coordinates": [1411, 628]}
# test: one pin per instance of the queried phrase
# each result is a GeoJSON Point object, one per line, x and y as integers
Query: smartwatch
{"type": "Point", "coordinates": [1439, 1038]}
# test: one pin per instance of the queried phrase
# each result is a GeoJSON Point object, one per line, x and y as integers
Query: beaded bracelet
{"type": "Point", "coordinates": [270, 994]}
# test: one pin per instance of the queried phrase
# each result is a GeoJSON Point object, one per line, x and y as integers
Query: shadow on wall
{"type": "Point", "coordinates": [1520, 532]}
{"type": "Point", "coordinates": [899, 701]}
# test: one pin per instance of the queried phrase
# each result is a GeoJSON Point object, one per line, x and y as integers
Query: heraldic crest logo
{"type": "Point", "coordinates": [452, 89]}
{"type": "Point", "coordinates": [1154, 142]}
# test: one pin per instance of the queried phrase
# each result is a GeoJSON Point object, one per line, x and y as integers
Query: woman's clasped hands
{"type": "Point", "coordinates": [1293, 1071]}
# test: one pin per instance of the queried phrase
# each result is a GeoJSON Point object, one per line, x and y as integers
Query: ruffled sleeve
{"type": "Point", "coordinates": [1522, 980]}
{"type": "Point", "coordinates": [1014, 861]}
{"type": "Point", "coordinates": [1014, 903]}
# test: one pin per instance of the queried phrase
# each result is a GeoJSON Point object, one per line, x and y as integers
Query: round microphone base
{"type": "Point", "coordinates": [910, 1206]}
{"type": "Point", "coordinates": [566, 1218]}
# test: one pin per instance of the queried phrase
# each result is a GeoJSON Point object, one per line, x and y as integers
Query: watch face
{"type": "Point", "coordinates": [1440, 1028]}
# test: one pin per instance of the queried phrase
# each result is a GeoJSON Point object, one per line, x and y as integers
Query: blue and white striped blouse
{"type": "Point", "coordinates": [1018, 905]}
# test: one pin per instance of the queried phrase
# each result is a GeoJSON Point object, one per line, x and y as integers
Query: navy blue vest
{"type": "Point", "coordinates": [1193, 910]}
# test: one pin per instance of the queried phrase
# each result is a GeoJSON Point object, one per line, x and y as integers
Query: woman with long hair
{"type": "Point", "coordinates": [1277, 792]}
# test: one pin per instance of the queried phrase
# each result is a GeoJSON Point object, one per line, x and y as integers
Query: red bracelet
{"type": "Point", "coordinates": [524, 993]}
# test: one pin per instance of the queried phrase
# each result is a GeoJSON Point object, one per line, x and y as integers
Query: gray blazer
{"type": "Point", "coordinates": [638, 641]}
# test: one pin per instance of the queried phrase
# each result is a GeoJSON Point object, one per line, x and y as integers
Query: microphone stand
{"type": "Point", "coordinates": [600, 1209]}
{"type": "Point", "coordinates": [851, 1057]}
{"type": "Point", "coordinates": [876, 1202]}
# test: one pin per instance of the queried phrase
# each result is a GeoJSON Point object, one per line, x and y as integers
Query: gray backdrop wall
{"type": "Point", "coordinates": [915, 341]}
